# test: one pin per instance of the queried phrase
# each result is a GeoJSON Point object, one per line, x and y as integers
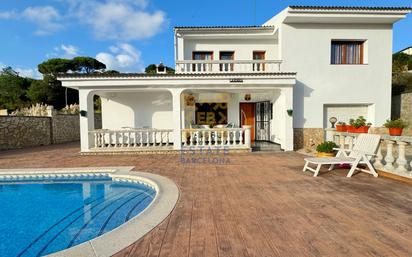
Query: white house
{"type": "Point", "coordinates": [279, 82]}
{"type": "Point", "coordinates": [407, 50]}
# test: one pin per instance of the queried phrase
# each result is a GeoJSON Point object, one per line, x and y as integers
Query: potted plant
{"type": "Point", "coordinates": [359, 125]}
{"type": "Point", "coordinates": [325, 149]}
{"type": "Point", "coordinates": [395, 126]}
{"type": "Point", "coordinates": [341, 126]}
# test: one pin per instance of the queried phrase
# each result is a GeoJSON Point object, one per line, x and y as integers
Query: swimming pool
{"type": "Point", "coordinates": [40, 215]}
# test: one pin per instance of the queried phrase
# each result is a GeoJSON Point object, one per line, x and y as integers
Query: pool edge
{"type": "Point", "coordinates": [112, 242]}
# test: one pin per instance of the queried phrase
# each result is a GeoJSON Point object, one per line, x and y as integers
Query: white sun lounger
{"type": "Point", "coordinates": [364, 148]}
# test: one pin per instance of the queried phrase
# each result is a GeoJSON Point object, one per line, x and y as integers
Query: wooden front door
{"type": "Point", "coordinates": [247, 117]}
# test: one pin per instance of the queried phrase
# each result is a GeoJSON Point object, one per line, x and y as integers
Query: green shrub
{"type": "Point", "coordinates": [359, 122]}
{"type": "Point", "coordinates": [326, 147]}
{"type": "Point", "coordinates": [395, 123]}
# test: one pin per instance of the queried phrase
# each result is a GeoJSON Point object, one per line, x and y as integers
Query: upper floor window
{"type": "Point", "coordinates": [347, 52]}
{"type": "Point", "coordinates": [226, 56]}
{"type": "Point", "coordinates": [202, 56]}
{"type": "Point", "coordinates": [259, 55]}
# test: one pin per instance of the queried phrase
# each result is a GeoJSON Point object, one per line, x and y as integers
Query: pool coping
{"type": "Point", "coordinates": [167, 194]}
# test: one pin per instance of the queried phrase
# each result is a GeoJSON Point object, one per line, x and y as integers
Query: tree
{"type": "Point", "coordinates": [400, 62]}
{"type": "Point", "coordinates": [83, 64]}
{"type": "Point", "coordinates": [51, 90]}
{"type": "Point", "coordinates": [110, 72]}
{"type": "Point", "coordinates": [401, 78]}
{"type": "Point", "coordinates": [39, 92]}
{"type": "Point", "coordinates": [13, 89]}
{"type": "Point", "coordinates": [55, 66]}
{"type": "Point", "coordinates": [151, 69]}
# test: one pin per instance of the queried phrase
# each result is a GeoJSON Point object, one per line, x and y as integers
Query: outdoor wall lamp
{"type": "Point", "coordinates": [332, 121]}
{"type": "Point", "coordinates": [290, 112]}
{"type": "Point", "coordinates": [83, 113]}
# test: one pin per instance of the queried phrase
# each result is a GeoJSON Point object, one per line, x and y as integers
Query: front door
{"type": "Point", "coordinates": [263, 117]}
{"type": "Point", "coordinates": [247, 117]}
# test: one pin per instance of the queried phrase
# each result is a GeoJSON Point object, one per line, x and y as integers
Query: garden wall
{"type": "Point", "coordinates": [24, 131]}
{"type": "Point", "coordinates": [21, 131]}
{"type": "Point", "coordinates": [402, 107]}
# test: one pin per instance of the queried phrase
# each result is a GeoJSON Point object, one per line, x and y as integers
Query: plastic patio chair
{"type": "Point", "coordinates": [363, 150]}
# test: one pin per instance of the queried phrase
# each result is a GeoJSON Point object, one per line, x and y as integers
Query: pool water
{"type": "Point", "coordinates": [41, 218]}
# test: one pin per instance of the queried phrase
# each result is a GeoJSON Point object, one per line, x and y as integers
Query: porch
{"type": "Point", "coordinates": [166, 113]}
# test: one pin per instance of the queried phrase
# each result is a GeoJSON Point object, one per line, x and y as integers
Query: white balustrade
{"type": "Point", "coordinates": [131, 138]}
{"type": "Point", "coordinates": [227, 66]}
{"type": "Point", "coordinates": [234, 138]}
{"type": "Point", "coordinates": [393, 155]}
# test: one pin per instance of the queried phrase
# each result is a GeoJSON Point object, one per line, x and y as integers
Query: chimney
{"type": "Point", "coordinates": [161, 69]}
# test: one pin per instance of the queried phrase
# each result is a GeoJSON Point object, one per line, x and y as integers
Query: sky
{"type": "Point", "coordinates": [128, 35]}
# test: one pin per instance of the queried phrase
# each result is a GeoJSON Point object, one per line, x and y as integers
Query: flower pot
{"type": "Point", "coordinates": [362, 129]}
{"type": "Point", "coordinates": [395, 131]}
{"type": "Point", "coordinates": [322, 154]}
{"type": "Point", "coordinates": [341, 128]}
{"type": "Point", "coordinates": [350, 128]}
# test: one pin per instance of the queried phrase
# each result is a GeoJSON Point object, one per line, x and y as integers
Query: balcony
{"type": "Point", "coordinates": [228, 66]}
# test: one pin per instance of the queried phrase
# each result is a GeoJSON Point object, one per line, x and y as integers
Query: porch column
{"type": "Point", "coordinates": [287, 94]}
{"type": "Point", "coordinates": [86, 119]}
{"type": "Point", "coordinates": [177, 118]}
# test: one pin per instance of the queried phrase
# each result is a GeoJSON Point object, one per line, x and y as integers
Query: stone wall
{"type": "Point", "coordinates": [402, 107]}
{"type": "Point", "coordinates": [406, 108]}
{"type": "Point", "coordinates": [66, 128]}
{"type": "Point", "coordinates": [22, 131]}
{"type": "Point", "coordinates": [307, 138]}
{"type": "Point", "coordinates": [25, 131]}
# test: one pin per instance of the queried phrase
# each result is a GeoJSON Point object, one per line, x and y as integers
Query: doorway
{"type": "Point", "coordinates": [263, 115]}
{"type": "Point", "coordinates": [247, 117]}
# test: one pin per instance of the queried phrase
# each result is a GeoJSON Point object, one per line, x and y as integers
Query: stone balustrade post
{"type": "Point", "coordinates": [401, 160]}
{"type": "Point", "coordinates": [389, 159]}
{"type": "Point", "coordinates": [247, 135]}
{"type": "Point", "coordinates": [341, 141]}
{"type": "Point", "coordinates": [379, 157]}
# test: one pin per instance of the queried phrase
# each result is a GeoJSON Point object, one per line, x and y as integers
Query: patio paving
{"type": "Point", "coordinates": [260, 204]}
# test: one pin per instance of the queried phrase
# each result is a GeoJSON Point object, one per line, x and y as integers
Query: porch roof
{"type": "Point", "coordinates": [81, 76]}
{"type": "Point", "coordinates": [181, 80]}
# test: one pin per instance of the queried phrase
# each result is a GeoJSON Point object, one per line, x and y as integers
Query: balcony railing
{"type": "Point", "coordinates": [394, 154]}
{"type": "Point", "coordinates": [228, 66]}
{"type": "Point", "coordinates": [132, 139]}
{"type": "Point", "coordinates": [105, 139]}
{"type": "Point", "coordinates": [230, 138]}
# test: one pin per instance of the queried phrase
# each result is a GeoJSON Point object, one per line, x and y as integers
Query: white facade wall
{"type": "Point", "coordinates": [137, 110]}
{"type": "Point", "coordinates": [306, 49]}
{"type": "Point", "coordinates": [243, 48]}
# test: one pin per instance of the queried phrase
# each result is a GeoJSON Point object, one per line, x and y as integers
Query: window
{"type": "Point", "coordinates": [199, 56]}
{"type": "Point", "coordinates": [202, 55]}
{"type": "Point", "coordinates": [226, 56]}
{"type": "Point", "coordinates": [259, 55]}
{"type": "Point", "coordinates": [347, 52]}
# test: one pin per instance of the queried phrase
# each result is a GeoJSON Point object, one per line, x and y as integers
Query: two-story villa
{"type": "Point", "coordinates": [279, 82]}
